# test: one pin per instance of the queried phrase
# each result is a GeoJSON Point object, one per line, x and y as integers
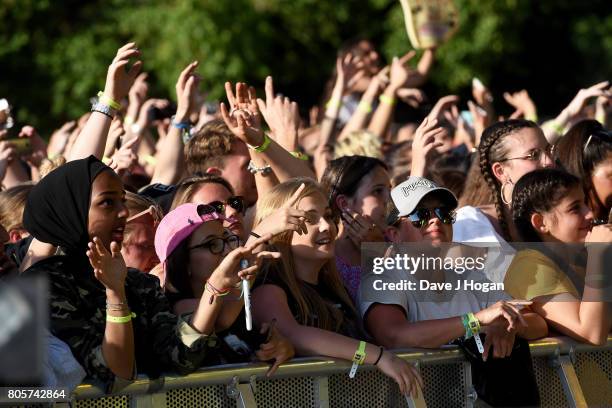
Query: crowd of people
{"type": "Point", "coordinates": [147, 217]}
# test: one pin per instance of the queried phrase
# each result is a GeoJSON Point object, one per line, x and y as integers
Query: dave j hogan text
{"type": "Point", "coordinates": [424, 284]}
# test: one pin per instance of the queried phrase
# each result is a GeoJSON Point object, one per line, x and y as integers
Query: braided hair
{"type": "Point", "coordinates": [538, 191]}
{"type": "Point", "coordinates": [491, 149]}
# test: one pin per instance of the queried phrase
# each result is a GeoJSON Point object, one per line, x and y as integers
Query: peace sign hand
{"type": "Point", "coordinates": [244, 119]}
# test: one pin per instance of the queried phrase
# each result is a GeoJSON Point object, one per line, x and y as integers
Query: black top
{"type": "Point", "coordinates": [342, 314]}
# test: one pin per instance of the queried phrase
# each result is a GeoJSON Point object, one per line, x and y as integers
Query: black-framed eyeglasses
{"type": "Point", "coordinates": [535, 155]}
{"type": "Point", "coordinates": [217, 245]}
{"type": "Point", "coordinates": [236, 202]}
{"type": "Point", "coordinates": [421, 216]}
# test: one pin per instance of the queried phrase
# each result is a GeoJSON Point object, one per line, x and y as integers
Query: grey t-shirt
{"type": "Point", "coordinates": [420, 305]}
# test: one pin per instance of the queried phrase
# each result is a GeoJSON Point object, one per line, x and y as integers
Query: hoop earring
{"type": "Point", "coordinates": [503, 196]}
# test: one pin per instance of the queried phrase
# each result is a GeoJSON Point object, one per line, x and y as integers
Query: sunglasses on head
{"type": "Point", "coordinates": [236, 202]}
{"type": "Point", "coordinates": [421, 216]}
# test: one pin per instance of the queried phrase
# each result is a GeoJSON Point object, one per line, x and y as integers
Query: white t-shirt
{"type": "Point", "coordinates": [472, 227]}
{"type": "Point", "coordinates": [422, 305]}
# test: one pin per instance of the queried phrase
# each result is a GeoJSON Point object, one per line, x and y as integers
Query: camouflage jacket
{"type": "Point", "coordinates": [77, 304]}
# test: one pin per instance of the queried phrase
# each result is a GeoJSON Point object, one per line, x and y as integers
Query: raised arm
{"type": "Point", "coordinates": [423, 69]}
{"type": "Point", "coordinates": [554, 129]}
{"type": "Point", "coordinates": [399, 75]}
{"type": "Point", "coordinates": [92, 139]}
{"type": "Point", "coordinates": [348, 73]}
{"type": "Point", "coordinates": [361, 115]}
{"type": "Point", "coordinates": [245, 123]}
{"type": "Point", "coordinates": [170, 163]}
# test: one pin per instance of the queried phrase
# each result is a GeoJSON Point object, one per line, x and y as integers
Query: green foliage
{"type": "Point", "coordinates": [54, 55]}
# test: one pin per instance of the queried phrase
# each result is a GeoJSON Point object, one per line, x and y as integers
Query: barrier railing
{"type": "Point", "coordinates": [568, 374]}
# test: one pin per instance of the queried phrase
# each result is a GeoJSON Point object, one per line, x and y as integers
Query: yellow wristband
{"type": "Point", "coordinates": [388, 100]}
{"type": "Point", "coordinates": [262, 148]}
{"type": "Point", "coordinates": [360, 353]}
{"type": "Point", "coordinates": [120, 319]}
{"type": "Point", "coordinates": [151, 160]}
{"type": "Point", "coordinates": [333, 103]}
{"type": "Point", "coordinates": [108, 101]}
{"type": "Point", "coordinates": [533, 118]}
{"type": "Point", "coordinates": [364, 107]}
{"type": "Point", "coordinates": [106, 160]}
{"type": "Point", "coordinates": [299, 155]}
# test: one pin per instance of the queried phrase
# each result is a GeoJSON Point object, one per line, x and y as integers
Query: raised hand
{"type": "Point", "coordinates": [577, 104]}
{"type": "Point", "coordinates": [115, 133]}
{"type": "Point", "coordinates": [186, 92]}
{"type": "Point", "coordinates": [39, 147]}
{"type": "Point", "coordinates": [59, 139]}
{"type": "Point", "coordinates": [399, 72]}
{"type": "Point", "coordinates": [145, 117]}
{"type": "Point", "coordinates": [282, 116]}
{"type": "Point", "coordinates": [244, 119]}
{"type": "Point", "coordinates": [7, 155]}
{"type": "Point", "coordinates": [482, 95]}
{"type": "Point", "coordinates": [119, 79]}
{"type": "Point", "coordinates": [349, 71]}
{"type": "Point", "coordinates": [286, 218]}
{"type": "Point", "coordinates": [481, 121]}
{"type": "Point", "coordinates": [360, 228]}
{"type": "Point", "coordinates": [423, 143]}
{"type": "Point", "coordinates": [522, 102]}
{"type": "Point", "coordinates": [109, 267]}
{"type": "Point", "coordinates": [228, 274]}
{"type": "Point", "coordinates": [444, 104]}
{"type": "Point", "coordinates": [411, 96]}
{"type": "Point", "coordinates": [138, 92]}
{"type": "Point", "coordinates": [124, 159]}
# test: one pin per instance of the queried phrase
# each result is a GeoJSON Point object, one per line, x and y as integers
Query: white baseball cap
{"type": "Point", "coordinates": [408, 194]}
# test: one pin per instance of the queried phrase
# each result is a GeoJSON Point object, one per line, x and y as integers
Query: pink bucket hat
{"type": "Point", "coordinates": [179, 224]}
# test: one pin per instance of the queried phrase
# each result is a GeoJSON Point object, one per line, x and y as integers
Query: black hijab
{"type": "Point", "coordinates": [57, 208]}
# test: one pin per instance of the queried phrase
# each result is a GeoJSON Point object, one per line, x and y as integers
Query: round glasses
{"type": "Point", "coordinates": [421, 216]}
{"type": "Point", "coordinates": [217, 245]}
{"type": "Point", "coordinates": [236, 202]}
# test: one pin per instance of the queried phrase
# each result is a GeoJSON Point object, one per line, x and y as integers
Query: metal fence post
{"type": "Point", "coordinates": [569, 380]}
{"type": "Point", "coordinates": [321, 386]}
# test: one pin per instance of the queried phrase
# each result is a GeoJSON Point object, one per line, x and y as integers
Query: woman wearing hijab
{"type": "Point", "coordinates": [116, 320]}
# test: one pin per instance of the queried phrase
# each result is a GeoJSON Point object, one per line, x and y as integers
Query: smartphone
{"type": "Point", "coordinates": [22, 145]}
{"type": "Point", "coordinates": [164, 113]}
{"type": "Point", "coordinates": [467, 117]}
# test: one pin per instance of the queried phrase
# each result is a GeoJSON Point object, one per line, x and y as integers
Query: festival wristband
{"type": "Point", "coordinates": [387, 100]}
{"type": "Point", "coordinates": [262, 148]}
{"type": "Point", "coordinates": [120, 319]}
{"type": "Point", "coordinates": [108, 101]}
{"type": "Point", "coordinates": [364, 107]}
{"type": "Point", "coordinates": [474, 325]}
{"type": "Point", "coordinates": [299, 155]}
{"type": "Point", "coordinates": [358, 358]}
{"type": "Point", "coordinates": [333, 103]}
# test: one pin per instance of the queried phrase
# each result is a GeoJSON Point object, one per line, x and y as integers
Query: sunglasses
{"type": "Point", "coordinates": [150, 212]}
{"type": "Point", "coordinates": [216, 246]}
{"type": "Point", "coordinates": [421, 216]}
{"type": "Point", "coordinates": [236, 202]}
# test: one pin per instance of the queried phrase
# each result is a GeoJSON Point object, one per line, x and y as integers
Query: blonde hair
{"type": "Point", "coordinates": [47, 166]}
{"type": "Point", "coordinates": [359, 143]}
{"type": "Point", "coordinates": [12, 204]}
{"type": "Point", "coordinates": [309, 303]}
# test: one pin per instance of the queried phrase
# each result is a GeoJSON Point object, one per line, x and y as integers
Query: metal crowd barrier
{"type": "Point", "coordinates": [569, 374]}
